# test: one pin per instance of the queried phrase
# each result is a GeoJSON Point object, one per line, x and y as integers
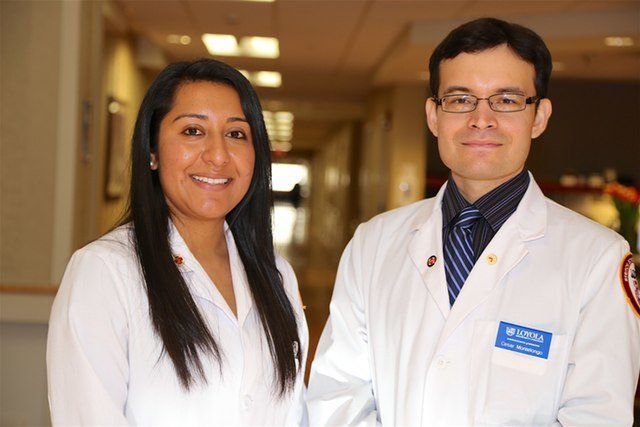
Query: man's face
{"type": "Point", "coordinates": [484, 145]}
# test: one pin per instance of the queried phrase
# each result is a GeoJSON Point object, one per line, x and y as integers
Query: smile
{"type": "Point", "coordinates": [482, 144]}
{"type": "Point", "coordinates": [212, 181]}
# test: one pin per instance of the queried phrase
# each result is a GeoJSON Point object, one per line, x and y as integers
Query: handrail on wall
{"type": "Point", "coordinates": [28, 289]}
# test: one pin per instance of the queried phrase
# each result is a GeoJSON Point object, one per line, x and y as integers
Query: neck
{"type": "Point", "coordinates": [473, 189]}
{"type": "Point", "coordinates": [202, 236]}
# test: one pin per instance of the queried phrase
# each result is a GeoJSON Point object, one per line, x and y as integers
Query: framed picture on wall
{"type": "Point", "coordinates": [116, 140]}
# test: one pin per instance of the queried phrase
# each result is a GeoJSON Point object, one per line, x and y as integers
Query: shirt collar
{"type": "Point", "coordinates": [452, 202]}
{"type": "Point", "coordinates": [496, 206]}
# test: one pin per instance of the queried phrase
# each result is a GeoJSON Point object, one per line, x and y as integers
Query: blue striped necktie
{"type": "Point", "coordinates": [458, 250]}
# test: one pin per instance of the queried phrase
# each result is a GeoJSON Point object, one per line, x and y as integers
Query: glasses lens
{"type": "Point", "coordinates": [459, 103]}
{"type": "Point", "coordinates": [507, 102]}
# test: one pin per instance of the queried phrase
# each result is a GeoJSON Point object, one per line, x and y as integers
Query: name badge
{"type": "Point", "coordinates": [521, 339]}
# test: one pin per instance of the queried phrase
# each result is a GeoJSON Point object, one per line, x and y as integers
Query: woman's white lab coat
{"type": "Point", "coordinates": [394, 352]}
{"type": "Point", "coordinates": [105, 362]}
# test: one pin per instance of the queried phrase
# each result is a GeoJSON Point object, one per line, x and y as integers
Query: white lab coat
{"type": "Point", "coordinates": [105, 363]}
{"type": "Point", "coordinates": [393, 352]}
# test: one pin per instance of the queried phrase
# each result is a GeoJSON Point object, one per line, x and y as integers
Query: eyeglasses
{"type": "Point", "coordinates": [500, 102]}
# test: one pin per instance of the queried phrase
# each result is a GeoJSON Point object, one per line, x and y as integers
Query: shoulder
{"type": "Point", "coordinates": [396, 222]}
{"type": "Point", "coordinates": [102, 271]}
{"type": "Point", "coordinates": [118, 244]}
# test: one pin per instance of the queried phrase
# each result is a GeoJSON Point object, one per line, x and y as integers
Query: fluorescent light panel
{"type": "Point", "coordinates": [280, 128]}
{"type": "Point", "coordinates": [221, 44]}
{"type": "Point", "coordinates": [260, 47]}
{"type": "Point", "coordinates": [618, 41]}
{"type": "Point", "coordinates": [263, 78]}
{"type": "Point", "coordinates": [255, 47]}
{"type": "Point", "coordinates": [267, 79]}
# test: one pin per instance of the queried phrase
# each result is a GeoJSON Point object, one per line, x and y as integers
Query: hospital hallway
{"type": "Point", "coordinates": [315, 268]}
{"type": "Point", "coordinates": [342, 86]}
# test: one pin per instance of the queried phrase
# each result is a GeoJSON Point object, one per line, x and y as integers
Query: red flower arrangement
{"type": "Point", "coordinates": [623, 193]}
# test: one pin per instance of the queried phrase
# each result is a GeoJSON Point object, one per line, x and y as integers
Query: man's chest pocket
{"type": "Point", "coordinates": [512, 383]}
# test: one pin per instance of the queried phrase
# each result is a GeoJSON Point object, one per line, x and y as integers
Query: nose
{"type": "Point", "coordinates": [483, 117]}
{"type": "Point", "coordinates": [215, 151]}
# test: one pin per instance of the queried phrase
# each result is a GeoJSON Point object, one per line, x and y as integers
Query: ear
{"type": "Point", "coordinates": [153, 164]}
{"type": "Point", "coordinates": [543, 112]}
{"type": "Point", "coordinates": [432, 116]}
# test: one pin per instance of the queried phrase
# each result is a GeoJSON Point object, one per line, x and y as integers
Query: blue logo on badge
{"type": "Point", "coordinates": [524, 340]}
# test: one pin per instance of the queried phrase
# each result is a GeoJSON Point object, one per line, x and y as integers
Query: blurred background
{"type": "Point", "coordinates": [343, 86]}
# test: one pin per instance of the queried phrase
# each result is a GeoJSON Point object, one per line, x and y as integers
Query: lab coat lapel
{"type": "Point", "coordinates": [506, 249]}
{"type": "Point", "coordinates": [196, 277]}
{"type": "Point", "coordinates": [244, 299]}
{"type": "Point", "coordinates": [425, 243]}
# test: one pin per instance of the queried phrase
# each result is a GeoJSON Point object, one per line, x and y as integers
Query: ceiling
{"type": "Point", "coordinates": [334, 52]}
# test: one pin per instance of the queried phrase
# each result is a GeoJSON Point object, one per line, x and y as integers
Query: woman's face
{"type": "Point", "coordinates": [205, 152]}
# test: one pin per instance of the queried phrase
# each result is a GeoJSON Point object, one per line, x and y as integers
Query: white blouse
{"type": "Point", "coordinates": [105, 363]}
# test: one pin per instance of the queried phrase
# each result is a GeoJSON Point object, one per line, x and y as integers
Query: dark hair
{"type": "Point", "coordinates": [175, 316]}
{"type": "Point", "coordinates": [486, 33]}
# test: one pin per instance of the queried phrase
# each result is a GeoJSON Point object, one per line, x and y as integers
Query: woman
{"type": "Point", "coordinates": [183, 315]}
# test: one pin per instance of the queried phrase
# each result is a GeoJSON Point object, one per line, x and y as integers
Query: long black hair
{"type": "Point", "coordinates": [175, 316]}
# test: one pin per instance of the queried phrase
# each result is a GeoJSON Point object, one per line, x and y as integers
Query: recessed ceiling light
{"type": "Point", "coordinates": [227, 45]}
{"type": "Point", "coordinates": [263, 78]}
{"type": "Point", "coordinates": [618, 41]}
{"type": "Point", "coordinates": [279, 125]}
{"type": "Point", "coordinates": [182, 39]}
{"type": "Point", "coordinates": [284, 116]}
{"type": "Point", "coordinates": [260, 47]}
{"type": "Point", "coordinates": [114, 107]}
{"type": "Point", "coordinates": [221, 44]}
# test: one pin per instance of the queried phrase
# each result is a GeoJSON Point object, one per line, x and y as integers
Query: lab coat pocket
{"type": "Point", "coordinates": [511, 388]}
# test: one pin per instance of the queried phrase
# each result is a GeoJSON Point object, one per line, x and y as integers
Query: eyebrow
{"type": "Point", "coordinates": [511, 89]}
{"type": "Point", "coordinates": [452, 89]}
{"type": "Point", "coordinates": [205, 117]}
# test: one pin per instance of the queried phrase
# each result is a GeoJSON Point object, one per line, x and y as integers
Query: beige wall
{"type": "Point", "coordinates": [374, 165]}
{"type": "Point", "coordinates": [30, 70]}
{"type": "Point", "coordinates": [407, 146]}
{"type": "Point", "coordinates": [331, 177]}
{"type": "Point", "coordinates": [50, 83]}
{"type": "Point", "coordinates": [393, 150]}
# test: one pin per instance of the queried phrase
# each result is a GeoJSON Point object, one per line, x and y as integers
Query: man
{"type": "Point", "coordinates": [488, 304]}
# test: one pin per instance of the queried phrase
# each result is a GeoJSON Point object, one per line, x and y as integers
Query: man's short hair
{"type": "Point", "coordinates": [486, 33]}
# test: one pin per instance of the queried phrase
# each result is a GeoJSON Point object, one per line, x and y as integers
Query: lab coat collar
{"type": "Point", "coordinates": [527, 223]}
{"type": "Point", "coordinates": [531, 212]}
{"type": "Point", "coordinates": [423, 215]}
{"type": "Point", "coordinates": [506, 250]}
{"type": "Point", "coordinates": [425, 243]}
{"type": "Point", "coordinates": [202, 286]}
{"type": "Point", "coordinates": [531, 215]}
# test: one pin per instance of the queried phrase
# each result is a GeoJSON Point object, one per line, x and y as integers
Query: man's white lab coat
{"type": "Point", "coordinates": [394, 352]}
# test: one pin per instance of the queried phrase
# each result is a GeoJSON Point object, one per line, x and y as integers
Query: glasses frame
{"type": "Point", "coordinates": [527, 101]}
